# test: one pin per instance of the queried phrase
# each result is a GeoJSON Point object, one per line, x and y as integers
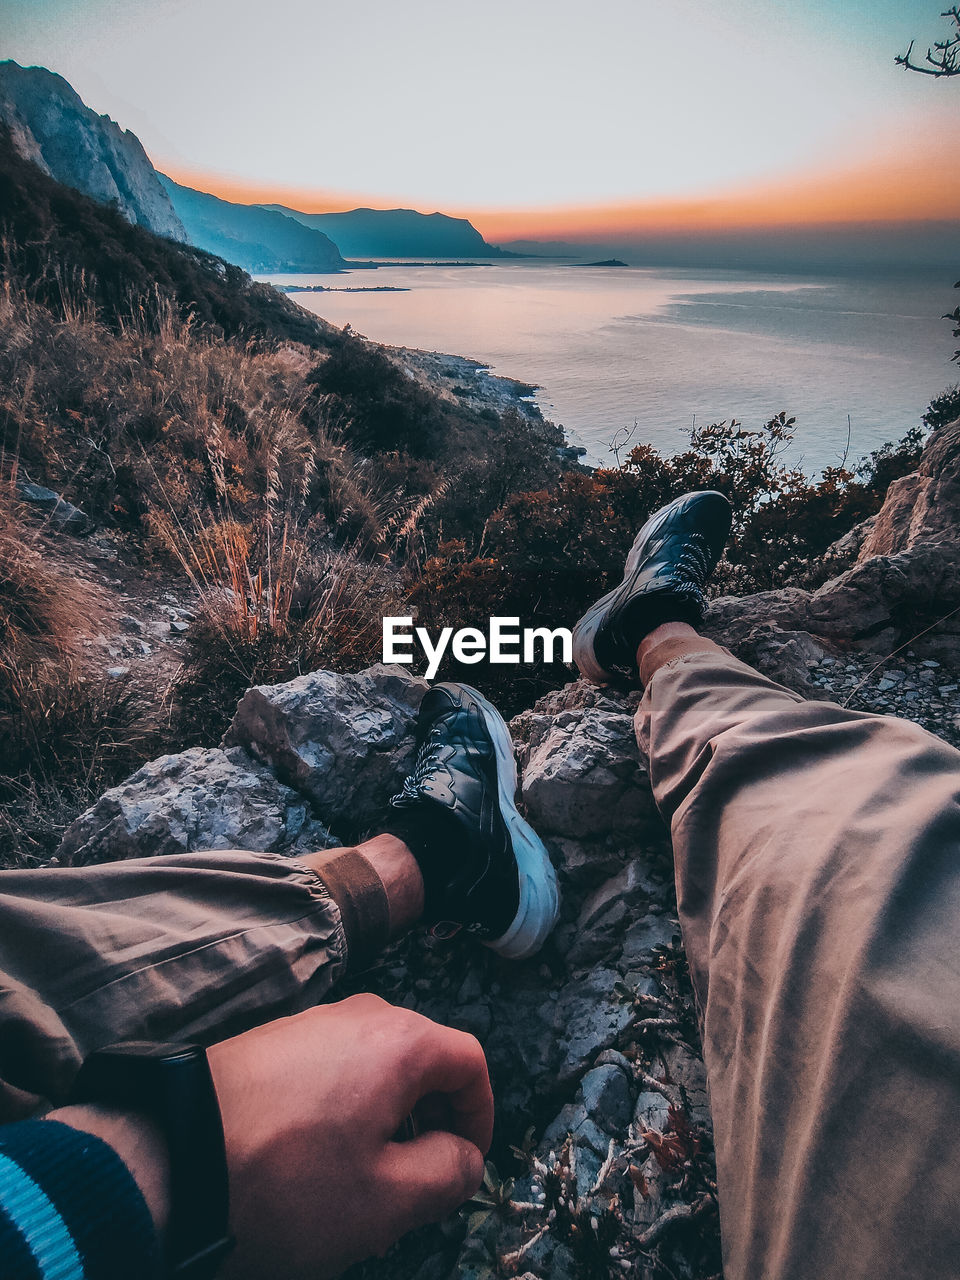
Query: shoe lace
{"type": "Point", "coordinates": [693, 565]}
{"type": "Point", "coordinates": [427, 762]}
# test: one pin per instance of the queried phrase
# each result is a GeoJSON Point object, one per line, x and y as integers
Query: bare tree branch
{"type": "Point", "coordinates": [943, 59]}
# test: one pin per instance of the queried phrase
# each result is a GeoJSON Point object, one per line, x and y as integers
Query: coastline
{"type": "Point", "coordinates": [469, 381]}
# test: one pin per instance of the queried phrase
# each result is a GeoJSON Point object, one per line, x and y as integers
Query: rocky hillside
{"type": "Point", "coordinates": [899, 588]}
{"type": "Point", "coordinates": [50, 125]}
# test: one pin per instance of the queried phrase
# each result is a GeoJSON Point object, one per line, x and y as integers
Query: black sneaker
{"type": "Point", "coordinates": [484, 868]}
{"type": "Point", "coordinates": [666, 573]}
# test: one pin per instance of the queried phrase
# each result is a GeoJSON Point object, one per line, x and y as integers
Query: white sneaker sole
{"type": "Point", "coordinates": [539, 890]}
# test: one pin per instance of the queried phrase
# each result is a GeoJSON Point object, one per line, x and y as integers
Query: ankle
{"type": "Point", "coordinates": [392, 863]}
{"type": "Point", "coordinates": [664, 643]}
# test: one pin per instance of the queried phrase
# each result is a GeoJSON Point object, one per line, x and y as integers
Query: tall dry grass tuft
{"type": "Point", "coordinates": [271, 607]}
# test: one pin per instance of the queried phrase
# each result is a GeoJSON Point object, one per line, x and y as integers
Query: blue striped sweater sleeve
{"type": "Point", "coordinates": [70, 1209]}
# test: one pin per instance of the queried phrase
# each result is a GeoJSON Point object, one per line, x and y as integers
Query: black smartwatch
{"type": "Point", "coordinates": [172, 1086]}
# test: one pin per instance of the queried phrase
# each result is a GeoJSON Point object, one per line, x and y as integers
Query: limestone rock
{"type": "Point", "coordinates": [60, 514]}
{"type": "Point", "coordinates": [923, 506]}
{"type": "Point", "coordinates": [51, 126]}
{"type": "Point", "coordinates": [343, 741]}
{"type": "Point", "coordinates": [583, 776]}
{"type": "Point", "coordinates": [199, 799]}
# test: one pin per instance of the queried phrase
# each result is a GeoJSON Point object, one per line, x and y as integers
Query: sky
{"type": "Point", "coordinates": [535, 118]}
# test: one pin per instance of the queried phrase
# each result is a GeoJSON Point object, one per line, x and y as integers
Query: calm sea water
{"type": "Point", "coordinates": [610, 347]}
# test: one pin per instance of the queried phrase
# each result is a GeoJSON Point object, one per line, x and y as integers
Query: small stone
{"type": "Point", "coordinates": [930, 664]}
{"type": "Point", "coordinates": [133, 626]}
{"type": "Point", "coordinates": [886, 684]}
{"type": "Point", "coordinates": [117, 673]}
{"type": "Point", "coordinates": [178, 627]}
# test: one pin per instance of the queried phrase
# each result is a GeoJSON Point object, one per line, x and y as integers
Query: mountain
{"type": "Point", "coordinates": [255, 238]}
{"type": "Point", "coordinates": [50, 124]}
{"type": "Point", "coordinates": [397, 233]}
{"type": "Point", "coordinates": [115, 269]}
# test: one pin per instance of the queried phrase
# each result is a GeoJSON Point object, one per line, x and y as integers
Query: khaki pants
{"type": "Point", "coordinates": [818, 876]}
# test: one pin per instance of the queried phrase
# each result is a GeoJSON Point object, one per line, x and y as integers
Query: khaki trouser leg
{"type": "Point", "coordinates": [198, 947]}
{"type": "Point", "coordinates": [818, 876]}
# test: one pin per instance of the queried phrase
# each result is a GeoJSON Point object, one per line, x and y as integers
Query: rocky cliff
{"type": "Point", "coordinates": [897, 583]}
{"type": "Point", "coordinates": [51, 125]}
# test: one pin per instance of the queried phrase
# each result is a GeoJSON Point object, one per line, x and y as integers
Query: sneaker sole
{"type": "Point", "coordinates": [539, 889]}
{"type": "Point", "coordinates": [585, 631]}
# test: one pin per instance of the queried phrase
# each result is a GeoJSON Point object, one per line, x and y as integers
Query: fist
{"type": "Point", "coordinates": [311, 1108]}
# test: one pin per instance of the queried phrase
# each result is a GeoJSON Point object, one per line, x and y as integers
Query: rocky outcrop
{"type": "Point", "coordinates": [199, 799]}
{"type": "Point", "coordinates": [592, 1044]}
{"type": "Point", "coordinates": [51, 126]}
{"type": "Point", "coordinates": [59, 514]}
{"type": "Point", "coordinates": [343, 741]}
{"type": "Point", "coordinates": [924, 507]}
{"type": "Point", "coordinates": [903, 589]}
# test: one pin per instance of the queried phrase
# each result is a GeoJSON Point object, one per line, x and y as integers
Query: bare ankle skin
{"type": "Point", "coordinates": [666, 631]}
{"type": "Point", "coordinates": [398, 871]}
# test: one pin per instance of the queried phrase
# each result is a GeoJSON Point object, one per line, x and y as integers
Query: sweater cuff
{"type": "Point", "coordinates": [70, 1209]}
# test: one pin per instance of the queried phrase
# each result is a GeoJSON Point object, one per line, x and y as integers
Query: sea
{"type": "Point", "coordinates": [626, 355]}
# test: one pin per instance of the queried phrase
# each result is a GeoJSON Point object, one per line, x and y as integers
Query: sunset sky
{"type": "Point", "coordinates": [546, 118]}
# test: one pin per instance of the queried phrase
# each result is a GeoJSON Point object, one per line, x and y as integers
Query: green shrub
{"type": "Point", "coordinates": [547, 555]}
{"type": "Point", "coordinates": [383, 409]}
{"type": "Point", "coordinates": [943, 408]}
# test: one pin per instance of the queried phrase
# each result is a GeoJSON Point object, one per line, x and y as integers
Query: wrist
{"type": "Point", "coordinates": [136, 1140]}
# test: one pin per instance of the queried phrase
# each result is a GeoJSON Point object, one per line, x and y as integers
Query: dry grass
{"type": "Point", "coordinates": [160, 416]}
{"type": "Point", "coordinates": [65, 732]}
{"type": "Point", "coordinates": [271, 606]}
{"type": "Point", "coordinates": [41, 606]}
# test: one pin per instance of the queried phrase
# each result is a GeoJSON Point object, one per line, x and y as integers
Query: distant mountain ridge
{"type": "Point", "coordinates": [52, 126]}
{"type": "Point", "coordinates": [258, 239]}
{"type": "Point", "coordinates": [397, 233]}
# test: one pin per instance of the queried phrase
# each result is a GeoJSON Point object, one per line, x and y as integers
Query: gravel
{"type": "Point", "coordinates": [921, 690]}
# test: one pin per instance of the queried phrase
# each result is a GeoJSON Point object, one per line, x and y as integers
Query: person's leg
{"type": "Point", "coordinates": [191, 947]}
{"type": "Point", "coordinates": [818, 879]}
{"type": "Point", "coordinates": [202, 946]}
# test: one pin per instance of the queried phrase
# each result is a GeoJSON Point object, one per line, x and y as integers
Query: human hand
{"type": "Point", "coordinates": [310, 1108]}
